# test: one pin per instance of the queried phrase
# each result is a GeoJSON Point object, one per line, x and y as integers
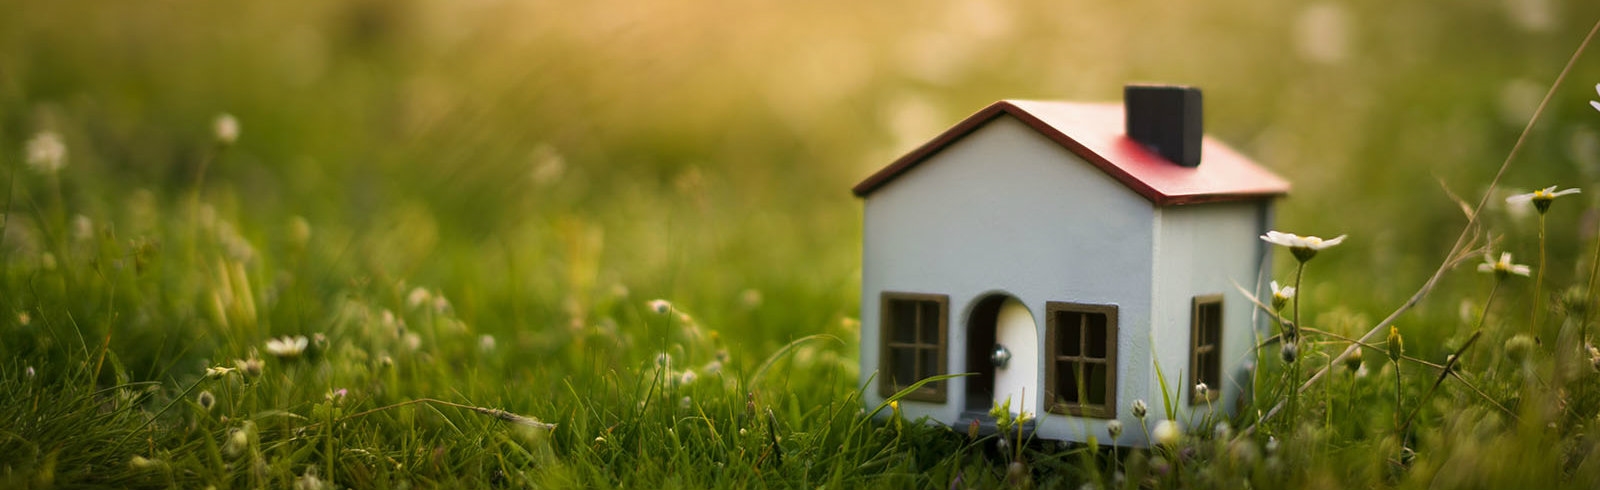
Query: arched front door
{"type": "Point", "coordinates": [1016, 356]}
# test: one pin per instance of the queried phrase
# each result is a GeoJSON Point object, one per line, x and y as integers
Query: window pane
{"type": "Point", "coordinates": [1097, 335]}
{"type": "Point", "coordinates": [1067, 381]}
{"type": "Point", "coordinates": [930, 363]}
{"type": "Point", "coordinates": [903, 317]}
{"type": "Point", "coordinates": [1094, 378]}
{"type": "Point", "coordinates": [903, 362]}
{"type": "Point", "coordinates": [929, 322]}
{"type": "Point", "coordinates": [1210, 323]}
{"type": "Point", "coordinates": [1070, 326]}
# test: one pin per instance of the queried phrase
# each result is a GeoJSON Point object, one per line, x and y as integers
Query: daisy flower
{"type": "Point", "coordinates": [287, 347]}
{"type": "Point", "coordinates": [1503, 267]}
{"type": "Point", "coordinates": [1303, 247]}
{"type": "Point", "coordinates": [1594, 103]}
{"type": "Point", "coordinates": [1541, 198]}
{"type": "Point", "coordinates": [1281, 295]}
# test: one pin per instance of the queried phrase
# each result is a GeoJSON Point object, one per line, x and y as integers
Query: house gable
{"type": "Point", "coordinates": [1094, 132]}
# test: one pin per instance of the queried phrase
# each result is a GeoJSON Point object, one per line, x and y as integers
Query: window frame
{"type": "Point", "coordinates": [1196, 348]}
{"type": "Point", "coordinates": [1053, 358]}
{"type": "Point", "coordinates": [936, 392]}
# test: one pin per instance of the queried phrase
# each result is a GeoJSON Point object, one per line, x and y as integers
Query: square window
{"type": "Point", "coordinates": [913, 328]}
{"type": "Point", "coordinates": [1083, 353]}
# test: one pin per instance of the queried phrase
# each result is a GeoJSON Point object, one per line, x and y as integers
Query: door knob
{"type": "Point", "coordinates": [1000, 357]}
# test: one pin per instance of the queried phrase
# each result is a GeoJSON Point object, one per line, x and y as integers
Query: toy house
{"type": "Point", "coordinates": [1057, 251]}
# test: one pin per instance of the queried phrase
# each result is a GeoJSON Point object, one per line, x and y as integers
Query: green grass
{"type": "Point", "coordinates": [469, 209]}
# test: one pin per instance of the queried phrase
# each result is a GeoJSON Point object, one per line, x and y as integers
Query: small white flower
{"type": "Point", "coordinates": [287, 347]}
{"type": "Point", "coordinates": [1503, 267]}
{"type": "Point", "coordinates": [1222, 430]}
{"type": "Point", "coordinates": [1202, 390]}
{"type": "Point", "coordinates": [1139, 409]}
{"type": "Point", "coordinates": [1593, 103]}
{"type": "Point", "coordinates": [1281, 296]}
{"type": "Point", "coordinates": [418, 297]}
{"type": "Point", "coordinates": [688, 377]}
{"type": "Point", "coordinates": [144, 464]}
{"type": "Point", "coordinates": [1303, 247]}
{"type": "Point", "coordinates": [225, 128]}
{"type": "Point", "coordinates": [1167, 433]}
{"type": "Point", "coordinates": [486, 342]}
{"type": "Point", "coordinates": [238, 439]}
{"type": "Point", "coordinates": [660, 306]}
{"type": "Point", "coordinates": [251, 366]}
{"type": "Point", "coordinates": [218, 372]}
{"type": "Point", "coordinates": [1541, 198]}
{"type": "Point", "coordinates": [1114, 427]}
{"type": "Point", "coordinates": [46, 153]}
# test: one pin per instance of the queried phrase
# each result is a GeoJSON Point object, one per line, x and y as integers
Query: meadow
{"type": "Point", "coordinates": [508, 244]}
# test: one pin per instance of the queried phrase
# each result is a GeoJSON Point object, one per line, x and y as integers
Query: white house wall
{"type": "Point", "coordinates": [1006, 210]}
{"type": "Point", "coordinates": [1200, 250]}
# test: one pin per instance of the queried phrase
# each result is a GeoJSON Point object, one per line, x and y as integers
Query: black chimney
{"type": "Point", "coordinates": [1166, 119]}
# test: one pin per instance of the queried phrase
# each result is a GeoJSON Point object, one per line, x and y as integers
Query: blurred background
{"type": "Point", "coordinates": [538, 161]}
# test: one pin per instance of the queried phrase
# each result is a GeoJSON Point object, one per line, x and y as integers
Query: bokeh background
{"type": "Point", "coordinates": [542, 163]}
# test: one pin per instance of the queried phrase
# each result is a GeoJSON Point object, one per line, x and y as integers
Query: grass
{"type": "Point", "coordinates": [470, 213]}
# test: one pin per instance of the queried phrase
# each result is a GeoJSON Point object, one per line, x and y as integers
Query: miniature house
{"type": "Point", "coordinates": [1058, 251]}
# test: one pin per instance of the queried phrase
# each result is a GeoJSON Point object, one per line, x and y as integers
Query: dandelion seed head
{"type": "Point", "coordinates": [45, 153]}
{"type": "Point", "coordinates": [660, 306]}
{"type": "Point", "coordinates": [82, 228]}
{"type": "Point", "coordinates": [418, 297]}
{"type": "Point", "coordinates": [750, 298]}
{"type": "Point", "coordinates": [1167, 433]}
{"type": "Point", "coordinates": [1518, 347]}
{"type": "Point", "coordinates": [251, 367]}
{"type": "Point", "coordinates": [1222, 430]}
{"type": "Point", "coordinates": [226, 129]}
{"type": "Point", "coordinates": [238, 440]}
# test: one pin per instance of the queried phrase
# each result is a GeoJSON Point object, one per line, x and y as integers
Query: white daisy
{"type": "Point", "coordinates": [1503, 267]}
{"type": "Point", "coordinates": [287, 347]}
{"type": "Point", "coordinates": [1541, 198]}
{"type": "Point", "coordinates": [1303, 247]}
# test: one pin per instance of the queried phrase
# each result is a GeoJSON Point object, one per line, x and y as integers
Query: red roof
{"type": "Point", "coordinates": [1095, 132]}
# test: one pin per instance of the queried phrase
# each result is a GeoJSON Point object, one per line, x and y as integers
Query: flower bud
{"type": "Point", "coordinates": [1139, 409]}
{"type": "Point", "coordinates": [1353, 361]}
{"type": "Point", "coordinates": [1396, 344]}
